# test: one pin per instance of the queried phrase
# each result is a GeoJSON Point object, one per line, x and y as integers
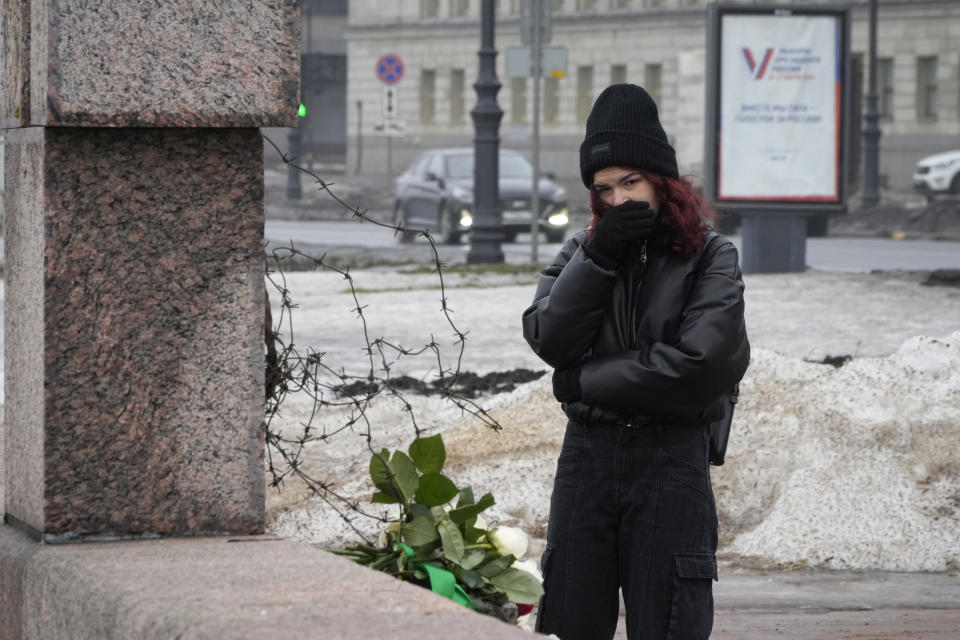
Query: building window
{"type": "Point", "coordinates": [927, 88]}
{"type": "Point", "coordinates": [653, 81]}
{"type": "Point", "coordinates": [885, 88]}
{"type": "Point", "coordinates": [584, 93]}
{"type": "Point", "coordinates": [653, 4]}
{"type": "Point", "coordinates": [428, 96]}
{"type": "Point", "coordinates": [586, 5]}
{"type": "Point", "coordinates": [457, 86]}
{"type": "Point", "coordinates": [618, 73]}
{"type": "Point", "coordinates": [558, 6]}
{"type": "Point", "coordinates": [429, 8]}
{"type": "Point", "coordinates": [551, 100]}
{"type": "Point", "coordinates": [620, 4]}
{"type": "Point", "coordinates": [518, 100]}
{"type": "Point", "coordinates": [459, 7]}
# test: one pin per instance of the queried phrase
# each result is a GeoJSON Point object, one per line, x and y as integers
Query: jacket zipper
{"type": "Point", "coordinates": [635, 297]}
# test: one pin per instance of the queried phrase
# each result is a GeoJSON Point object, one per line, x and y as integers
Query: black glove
{"type": "Point", "coordinates": [566, 384]}
{"type": "Point", "coordinates": [620, 227]}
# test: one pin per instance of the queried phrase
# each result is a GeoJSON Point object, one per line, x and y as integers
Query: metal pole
{"type": "Point", "coordinates": [389, 161]}
{"type": "Point", "coordinates": [311, 90]}
{"type": "Point", "coordinates": [487, 233]}
{"type": "Point", "coordinates": [359, 135]}
{"type": "Point", "coordinates": [871, 130]}
{"type": "Point", "coordinates": [536, 65]}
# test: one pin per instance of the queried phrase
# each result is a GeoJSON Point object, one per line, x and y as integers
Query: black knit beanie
{"type": "Point", "coordinates": [623, 129]}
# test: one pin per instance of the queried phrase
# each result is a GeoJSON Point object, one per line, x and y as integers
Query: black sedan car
{"type": "Point", "coordinates": [436, 193]}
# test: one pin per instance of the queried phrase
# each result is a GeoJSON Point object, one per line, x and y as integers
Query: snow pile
{"type": "Point", "coordinates": [849, 468]}
{"type": "Point", "coordinates": [845, 468]}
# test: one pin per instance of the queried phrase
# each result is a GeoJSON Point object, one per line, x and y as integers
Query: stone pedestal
{"type": "Point", "coordinates": [134, 231]}
{"type": "Point", "coordinates": [130, 63]}
{"type": "Point", "coordinates": [134, 358]}
{"type": "Point", "coordinates": [774, 243]}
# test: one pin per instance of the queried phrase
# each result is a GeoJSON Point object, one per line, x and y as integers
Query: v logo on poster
{"type": "Point", "coordinates": [756, 70]}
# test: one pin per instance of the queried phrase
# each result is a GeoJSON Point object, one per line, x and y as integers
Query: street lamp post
{"type": "Point", "coordinates": [487, 232]}
{"type": "Point", "coordinates": [871, 130]}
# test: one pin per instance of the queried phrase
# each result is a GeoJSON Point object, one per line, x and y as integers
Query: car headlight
{"type": "Point", "coordinates": [462, 194]}
{"type": "Point", "coordinates": [559, 218]}
{"type": "Point", "coordinates": [466, 219]}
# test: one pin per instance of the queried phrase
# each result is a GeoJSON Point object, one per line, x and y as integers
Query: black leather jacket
{"type": "Point", "coordinates": [658, 342]}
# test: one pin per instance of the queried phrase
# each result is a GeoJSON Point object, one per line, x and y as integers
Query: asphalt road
{"type": "Point", "coordinates": [827, 254]}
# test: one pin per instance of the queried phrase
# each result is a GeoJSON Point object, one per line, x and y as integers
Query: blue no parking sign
{"type": "Point", "coordinates": [390, 69]}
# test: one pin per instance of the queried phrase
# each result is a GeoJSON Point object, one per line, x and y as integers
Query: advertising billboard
{"type": "Point", "coordinates": [777, 107]}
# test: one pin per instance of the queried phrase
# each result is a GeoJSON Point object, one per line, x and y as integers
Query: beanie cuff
{"type": "Point", "coordinates": [612, 147]}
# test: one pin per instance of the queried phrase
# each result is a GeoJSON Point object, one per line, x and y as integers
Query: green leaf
{"type": "Point", "coordinates": [435, 489]}
{"type": "Point", "coordinates": [466, 497]}
{"type": "Point", "coordinates": [422, 510]}
{"type": "Point", "coordinates": [471, 534]}
{"type": "Point", "coordinates": [405, 474]}
{"type": "Point", "coordinates": [472, 558]}
{"type": "Point", "coordinates": [427, 553]}
{"type": "Point", "coordinates": [461, 514]}
{"type": "Point", "coordinates": [471, 578]}
{"type": "Point", "coordinates": [380, 475]}
{"type": "Point", "coordinates": [418, 531]}
{"type": "Point", "coordinates": [452, 541]}
{"type": "Point", "coordinates": [381, 497]}
{"type": "Point", "coordinates": [497, 566]}
{"type": "Point", "coordinates": [428, 454]}
{"type": "Point", "coordinates": [520, 586]}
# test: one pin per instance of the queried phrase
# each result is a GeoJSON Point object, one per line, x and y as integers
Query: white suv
{"type": "Point", "coordinates": [938, 173]}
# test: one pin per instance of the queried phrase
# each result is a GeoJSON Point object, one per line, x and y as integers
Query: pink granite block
{"type": "Point", "coordinates": [135, 363]}
{"type": "Point", "coordinates": [177, 63]}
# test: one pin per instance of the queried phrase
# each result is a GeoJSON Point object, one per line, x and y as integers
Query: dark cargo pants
{"type": "Point", "coordinates": [632, 508]}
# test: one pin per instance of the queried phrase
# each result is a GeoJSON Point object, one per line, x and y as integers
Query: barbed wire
{"type": "Point", "coordinates": [329, 386]}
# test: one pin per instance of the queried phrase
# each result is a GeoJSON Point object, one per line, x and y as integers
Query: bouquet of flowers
{"type": "Point", "coordinates": [445, 545]}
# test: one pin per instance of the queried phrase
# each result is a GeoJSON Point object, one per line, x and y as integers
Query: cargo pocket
{"type": "Point", "coordinates": [691, 610]}
{"type": "Point", "coordinates": [545, 562]}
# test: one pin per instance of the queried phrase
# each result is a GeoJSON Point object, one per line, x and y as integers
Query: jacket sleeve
{"type": "Point", "coordinates": [571, 299]}
{"type": "Point", "coordinates": [709, 355]}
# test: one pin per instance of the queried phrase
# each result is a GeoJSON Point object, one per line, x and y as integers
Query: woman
{"type": "Point", "coordinates": [641, 316]}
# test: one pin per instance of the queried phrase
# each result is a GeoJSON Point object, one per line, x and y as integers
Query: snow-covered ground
{"type": "Point", "coordinates": [850, 467]}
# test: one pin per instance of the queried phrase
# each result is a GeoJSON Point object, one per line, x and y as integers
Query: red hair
{"type": "Point", "coordinates": [683, 214]}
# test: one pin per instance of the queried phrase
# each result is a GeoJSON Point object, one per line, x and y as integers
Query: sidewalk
{"type": "Point", "coordinates": [808, 604]}
{"type": "Point", "coordinates": [826, 605]}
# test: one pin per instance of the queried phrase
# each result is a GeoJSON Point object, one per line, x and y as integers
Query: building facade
{"type": "Point", "coordinates": [659, 44]}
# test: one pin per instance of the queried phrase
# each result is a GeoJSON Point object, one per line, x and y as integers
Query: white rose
{"type": "Point", "coordinates": [530, 566]}
{"type": "Point", "coordinates": [509, 540]}
{"type": "Point", "coordinates": [524, 622]}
